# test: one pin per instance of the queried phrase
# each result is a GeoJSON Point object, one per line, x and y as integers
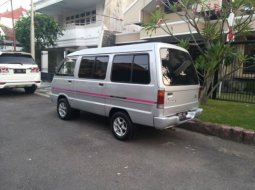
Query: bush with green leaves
{"type": "Point", "coordinates": [47, 31]}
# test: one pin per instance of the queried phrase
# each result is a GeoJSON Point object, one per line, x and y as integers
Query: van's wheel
{"type": "Point", "coordinates": [122, 126]}
{"type": "Point", "coordinates": [30, 90]}
{"type": "Point", "coordinates": [65, 112]}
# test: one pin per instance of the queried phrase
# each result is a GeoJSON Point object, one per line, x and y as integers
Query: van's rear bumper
{"type": "Point", "coordinates": [166, 122]}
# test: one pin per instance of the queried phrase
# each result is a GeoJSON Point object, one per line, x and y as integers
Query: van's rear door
{"type": "Point", "coordinates": [180, 81]}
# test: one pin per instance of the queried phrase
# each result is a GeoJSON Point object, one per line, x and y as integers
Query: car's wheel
{"type": "Point", "coordinates": [65, 112]}
{"type": "Point", "coordinates": [30, 90]}
{"type": "Point", "coordinates": [122, 126]}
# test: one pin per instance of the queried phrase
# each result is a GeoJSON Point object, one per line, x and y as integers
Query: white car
{"type": "Point", "coordinates": [19, 70]}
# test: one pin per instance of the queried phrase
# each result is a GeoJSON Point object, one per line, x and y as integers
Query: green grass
{"type": "Point", "coordinates": [229, 113]}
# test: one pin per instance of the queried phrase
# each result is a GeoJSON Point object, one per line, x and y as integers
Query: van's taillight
{"type": "Point", "coordinates": [4, 70]}
{"type": "Point", "coordinates": [161, 98]}
{"type": "Point", "coordinates": [34, 70]}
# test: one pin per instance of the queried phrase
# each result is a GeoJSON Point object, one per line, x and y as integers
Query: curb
{"type": "Point", "coordinates": [223, 131]}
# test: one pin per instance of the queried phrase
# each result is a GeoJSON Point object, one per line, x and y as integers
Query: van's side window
{"type": "Point", "coordinates": [93, 67]}
{"type": "Point", "coordinates": [141, 72]}
{"type": "Point", "coordinates": [100, 67]}
{"type": "Point", "coordinates": [132, 68]}
{"type": "Point", "coordinates": [86, 67]}
{"type": "Point", "coordinates": [67, 68]}
{"type": "Point", "coordinates": [121, 69]}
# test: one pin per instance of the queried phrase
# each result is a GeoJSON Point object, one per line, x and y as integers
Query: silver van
{"type": "Point", "coordinates": [151, 84]}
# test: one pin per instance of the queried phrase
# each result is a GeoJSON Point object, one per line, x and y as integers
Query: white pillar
{"type": "Point", "coordinates": [44, 60]}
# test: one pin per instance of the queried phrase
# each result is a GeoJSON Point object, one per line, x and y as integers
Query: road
{"type": "Point", "coordinates": [40, 152]}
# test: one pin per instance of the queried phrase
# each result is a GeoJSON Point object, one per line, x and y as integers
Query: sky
{"type": "Point", "coordinates": [16, 4]}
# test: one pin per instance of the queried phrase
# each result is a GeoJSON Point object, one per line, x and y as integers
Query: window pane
{"type": "Point", "coordinates": [93, 19]}
{"type": "Point", "coordinates": [100, 67]}
{"type": "Point", "coordinates": [121, 70]}
{"type": "Point", "coordinates": [141, 72]}
{"type": "Point", "coordinates": [16, 59]}
{"type": "Point", "coordinates": [87, 20]}
{"type": "Point", "coordinates": [177, 68]}
{"type": "Point", "coordinates": [86, 67]}
{"type": "Point", "coordinates": [67, 67]}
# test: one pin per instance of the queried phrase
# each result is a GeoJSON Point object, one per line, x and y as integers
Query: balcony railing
{"type": "Point", "coordinates": [80, 35]}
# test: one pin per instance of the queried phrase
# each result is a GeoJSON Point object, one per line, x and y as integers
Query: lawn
{"type": "Point", "coordinates": [229, 113]}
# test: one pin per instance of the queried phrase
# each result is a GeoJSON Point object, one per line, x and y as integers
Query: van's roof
{"type": "Point", "coordinates": [125, 48]}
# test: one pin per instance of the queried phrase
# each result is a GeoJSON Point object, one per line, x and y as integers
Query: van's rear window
{"type": "Point", "coordinates": [16, 59]}
{"type": "Point", "coordinates": [177, 68]}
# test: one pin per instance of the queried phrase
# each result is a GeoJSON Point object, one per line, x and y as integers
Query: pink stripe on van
{"type": "Point", "coordinates": [104, 95]}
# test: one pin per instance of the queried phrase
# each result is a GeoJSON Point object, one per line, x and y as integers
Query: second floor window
{"type": "Point", "coordinates": [84, 18]}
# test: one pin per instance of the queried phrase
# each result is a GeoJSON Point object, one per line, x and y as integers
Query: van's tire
{"type": "Point", "coordinates": [31, 89]}
{"type": "Point", "coordinates": [64, 110]}
{"type": "Point", "coordinates": [122, 127]}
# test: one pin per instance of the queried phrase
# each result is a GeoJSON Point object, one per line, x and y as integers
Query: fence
{"type": "Point", "coordinates": [239, 86]}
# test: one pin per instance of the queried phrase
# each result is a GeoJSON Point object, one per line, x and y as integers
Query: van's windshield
{"type": "Point", "coordinates": [177, 68]}
{"type": "Point", "coordinates": [16, 59]}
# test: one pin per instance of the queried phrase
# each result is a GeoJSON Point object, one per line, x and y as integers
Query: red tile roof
{"type": "Point", "coordinates": [8, 32]}
{"type": "Point", "coordinates": [17, 13]}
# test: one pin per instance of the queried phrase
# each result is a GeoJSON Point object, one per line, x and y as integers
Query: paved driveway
{"type": "Point", "coordinates": [40, 152]}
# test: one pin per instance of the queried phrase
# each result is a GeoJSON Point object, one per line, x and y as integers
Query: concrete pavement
{"type": "Point", "coordinates": [39, 151]}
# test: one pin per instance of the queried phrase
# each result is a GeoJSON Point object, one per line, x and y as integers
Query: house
{"type": "Point", "coordinates": [6, 17]}
{"type": "Point", "coordinates": [7, 38]}
{"type": "Point", "coordinates": [6, 29]}
{"type": "Point", "coordinates": [139, 12]}
{"type": "Point", "coordinates": [87, 24]}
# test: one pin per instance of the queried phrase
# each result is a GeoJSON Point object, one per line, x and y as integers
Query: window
{"type": "Point", "coordinates": [131, 69]}
{"type": "Point", "coordinates": [93, 12]}
{"type": "Point", "coordinates": [67, 68]}
{"type": "Point", "coordinates": [82, 22]}
{"type": "Point", "coordinates": [100, 67]}
{"type": "Point", "coordinates": [141, 73]}
{"type": "Point", "coordinates": [87, 20]}
{"type": "Point", "coordinates": [82, 18]}
{"type": "Point", "coordinates": [93, 19]}
{"type": "Point", "coordinates": [86, 67]}
{"type": "Point", "coordinates": [93, 67]}
{"type": "Point", "coordinates": [177, 68]}
{"type": "Point", "coordinates": [121, 69]}
{"type": "Point", "coordinates": [12, 58]}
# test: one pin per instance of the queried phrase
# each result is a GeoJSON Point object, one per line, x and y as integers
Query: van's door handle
{"type": "Point", "coordinates": [170, 94]}
{"type": "Point", "coordinates": [101, 84]}
{"type": "Point", "coordinates": [69, 81]}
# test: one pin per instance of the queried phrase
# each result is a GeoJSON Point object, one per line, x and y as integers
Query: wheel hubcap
{"type": "Point", "coordinates": [120, 126]}
{"type": "Point", "coordinates": [62, 109]}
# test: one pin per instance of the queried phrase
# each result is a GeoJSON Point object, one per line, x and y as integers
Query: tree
{"type": "Point", "coordinates": [47, 30]}
{"type": "Point", "coordinates": [210, 21]}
